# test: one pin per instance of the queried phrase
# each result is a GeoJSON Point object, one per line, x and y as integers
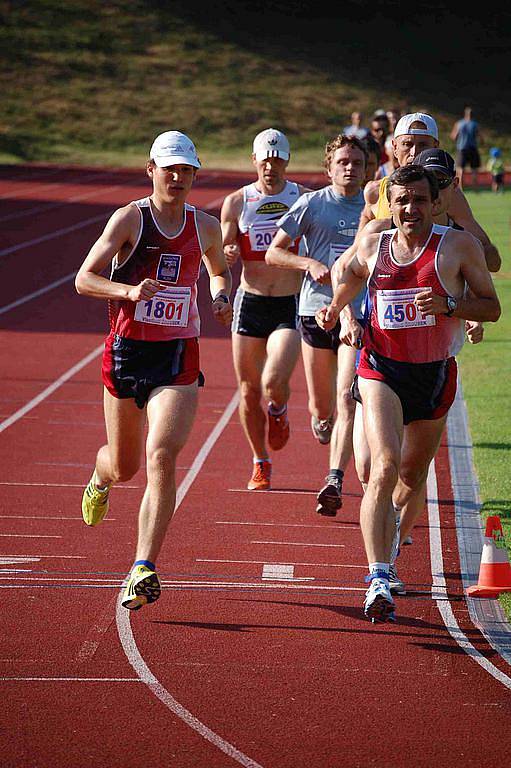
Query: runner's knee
{"type": "Point", "coordinates": [250, 393]}
{"type": "Point", "coordinates": [162, 460]}
{"type": "Point", "coordinates": [384, 473]}
{"type": "Point", "coordinates": [124, 470]}
{"type": "Point", "coordinates": [346, 404]}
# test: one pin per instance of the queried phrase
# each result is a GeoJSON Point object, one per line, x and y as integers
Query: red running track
{"type": "Point", "coordinates": [257, 653]}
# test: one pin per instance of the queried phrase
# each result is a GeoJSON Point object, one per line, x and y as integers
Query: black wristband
{"type": "Point", "coordinates": [222, 296]}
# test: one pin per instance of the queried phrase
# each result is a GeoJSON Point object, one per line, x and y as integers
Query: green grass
{"type": "Point", "coordinates": [486, 376]}
{"type": "Point", "coordinates": [89, 82]}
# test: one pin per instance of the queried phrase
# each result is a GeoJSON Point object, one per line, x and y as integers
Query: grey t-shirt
{"type": "Point", "coordinates": [327, 223]}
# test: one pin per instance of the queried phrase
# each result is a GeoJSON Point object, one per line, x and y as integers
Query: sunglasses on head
{"type": "Point", "coordinates": [444, 181]}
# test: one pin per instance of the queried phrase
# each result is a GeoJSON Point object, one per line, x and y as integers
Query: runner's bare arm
{"type": "Point", "coordinates": [229, 215]}
{"type": "Point", "coordinates": [460, 211]}
{"type": "Point", "coordinates": [480, 302]}
{"type": "Point", "coordinates": [279, 255]}
{"type": "Point", "coordinates": [220, 279]}
{"type": "Point", "coordinates": [117, 239]}
{"type": "Point", "coordinates": [352, 281]}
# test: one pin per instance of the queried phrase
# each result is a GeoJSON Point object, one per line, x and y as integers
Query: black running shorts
{"type": "Point", "coordinates": [260, 316]}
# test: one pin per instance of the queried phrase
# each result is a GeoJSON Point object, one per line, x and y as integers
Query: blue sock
{"type": "Point", "coordinates": [147, 564]}
{"type": "Point", "coordinates": [337, 473]}
{"type": "Point", "coordinates": [272, 408]}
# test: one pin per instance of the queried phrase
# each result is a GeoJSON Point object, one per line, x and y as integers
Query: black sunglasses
{"type": "Point", "coordinates": [444, 181]}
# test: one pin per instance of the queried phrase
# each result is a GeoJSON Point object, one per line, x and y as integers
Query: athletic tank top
{"type": "Point", "coordinates": [396, 328]}
{"type": "Point", "coordinates": [257, 222]}
{"type": "Point", "coordinates": [382, 207]}
{"type": "Point", "coordinates": [172, 313]}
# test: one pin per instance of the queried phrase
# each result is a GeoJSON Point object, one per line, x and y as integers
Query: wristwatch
{"type": "Point", "coordinates": [223, 297]}
{"type": "Point", "coordinates": [452, 304]}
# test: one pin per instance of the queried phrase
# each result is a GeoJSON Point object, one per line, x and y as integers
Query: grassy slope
{"type": "Point", "coordinates": [88, 81]}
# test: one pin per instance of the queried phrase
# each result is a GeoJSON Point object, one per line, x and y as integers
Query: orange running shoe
{"type": "Point", "coordinates": [261, 476]}
{"type": "Point", "coordinates": [278, 430]}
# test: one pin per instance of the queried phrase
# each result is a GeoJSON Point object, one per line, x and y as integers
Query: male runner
{"type": "Point", "coordinates": [414, 133]}
{"type": "Point", "coordinates": [151, 372]}
{"type": "Point", "coordinates": [265, 341]}
{"type": "Point", "coordinates": [406, 378]}
{"type": "Point", "coordinates": [409, 495]}
{"type": "Point", "coordinates": [327, 220]}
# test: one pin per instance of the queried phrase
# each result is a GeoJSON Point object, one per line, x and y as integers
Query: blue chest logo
{"type": "Point", "coordinates": [168, 267]}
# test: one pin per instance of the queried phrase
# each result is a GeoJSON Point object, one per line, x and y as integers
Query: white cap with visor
{"type": "Point", "coordinates": [428, 127]}
{"type": "Point", "coordinates": [174, 148]}
{"type": "Point", "coordinates": [271, 143]}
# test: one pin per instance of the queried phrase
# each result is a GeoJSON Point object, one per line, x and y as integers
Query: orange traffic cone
{"type": "Point", "coordinates": [495, 570]}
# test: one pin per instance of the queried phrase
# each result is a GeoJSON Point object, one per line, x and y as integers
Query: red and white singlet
{"type": "Point", "coordinates": [396, 329]}
{"type": "Point", "coordinates": [257, 222]}
{"type": "Point", "coordinates": [172, 313]}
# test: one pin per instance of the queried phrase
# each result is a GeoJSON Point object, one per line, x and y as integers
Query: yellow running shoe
{"type": "Point", "coordinates": [94, 502]}
{"type": "Point", "coordinates": [143, 587]}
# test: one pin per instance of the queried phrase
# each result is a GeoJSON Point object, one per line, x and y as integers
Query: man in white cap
{"type": "Point", "coordinates": [151, 371]}
{"type": "Point", "coordinates": [265, 341]}
{"type": "Point", "coordinates": [414, 133]}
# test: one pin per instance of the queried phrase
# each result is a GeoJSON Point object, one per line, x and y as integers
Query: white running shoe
{"type": "Point", "coordinates": [396, 585]}
{"type": "Point", "coordinates": [322, 429]}
{"type": "Point", "coordinates": [379, 605]}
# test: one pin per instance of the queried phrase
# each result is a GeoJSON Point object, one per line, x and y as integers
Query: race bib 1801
{"type": "Point", "coordinates": [396, 309]}
{"type": "Point", "coordinates": [168, 307]}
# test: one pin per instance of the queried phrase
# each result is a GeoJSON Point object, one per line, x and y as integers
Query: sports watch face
{"type": "Point", "coordinates": [451, 305]}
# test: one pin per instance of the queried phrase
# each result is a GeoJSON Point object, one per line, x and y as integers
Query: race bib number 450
{"type": "Point", "coordinates": [396, 309]}
{"type": "Point", "coordinates": [168, 307]}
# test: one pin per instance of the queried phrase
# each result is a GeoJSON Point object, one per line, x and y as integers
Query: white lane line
{"type": "Point", "coordinates": [66, 278]}
{"type": "Point", "coordinates": [61, 485]}
{"type": "Point", "coordinates": [291, 493]}
{"type": "Point", "coordinates": [28, 536]}
{"type": "Point", "coordinates": [26, 190]}
{"type": "Point", "coordinates": [35, 294]}
{"type": "Point", "coordinates": [49, 206]}
{"type": "Point", "coordinates": [439, 588]}
{"type": "Point", "coordinates": [205, 450]}
{"type": "Point", "coordinates": [55, 233]}
{"type": "Point", "coordinates": [46, 517]}
{"type": "Point", "coordinates": [126, 635]}
{"type": "Point", "coordinates": [72, 679]}
{"type": "Point", "coordinates": [180, 585]}
{"type": "Point", "coordinates": [353, 527]}
{"type": "Point", "coordinates": [261, 562]}
{"type": "Point", "coordinates": [49, 390]}
{"type": "Point", "coordinates": [277, 572]}
{"type": "Point", "coordinates": [298, 544]}
{"type": "Point", "coordinates": [486, 614]}
{"type": "Point", "coordinates": [19, 558]}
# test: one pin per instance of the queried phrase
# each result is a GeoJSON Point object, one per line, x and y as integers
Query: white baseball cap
{"type": "Point", "coordinates": [271, 143]}
{"type": "Point", "coordinates": [403, 125]}
{"type": "Point", "coordinates": [174, 148]}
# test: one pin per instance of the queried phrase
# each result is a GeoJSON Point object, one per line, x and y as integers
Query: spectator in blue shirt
{"type": "Point", "coordinates": [466, 134]}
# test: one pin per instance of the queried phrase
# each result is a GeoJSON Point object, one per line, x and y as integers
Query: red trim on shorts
{"type": "Point", "coordinates": [107, 366]}
{"type": "Point", "coordinates": [190, 364]}
{"type": "Point", "coordinates": [448, 391]}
